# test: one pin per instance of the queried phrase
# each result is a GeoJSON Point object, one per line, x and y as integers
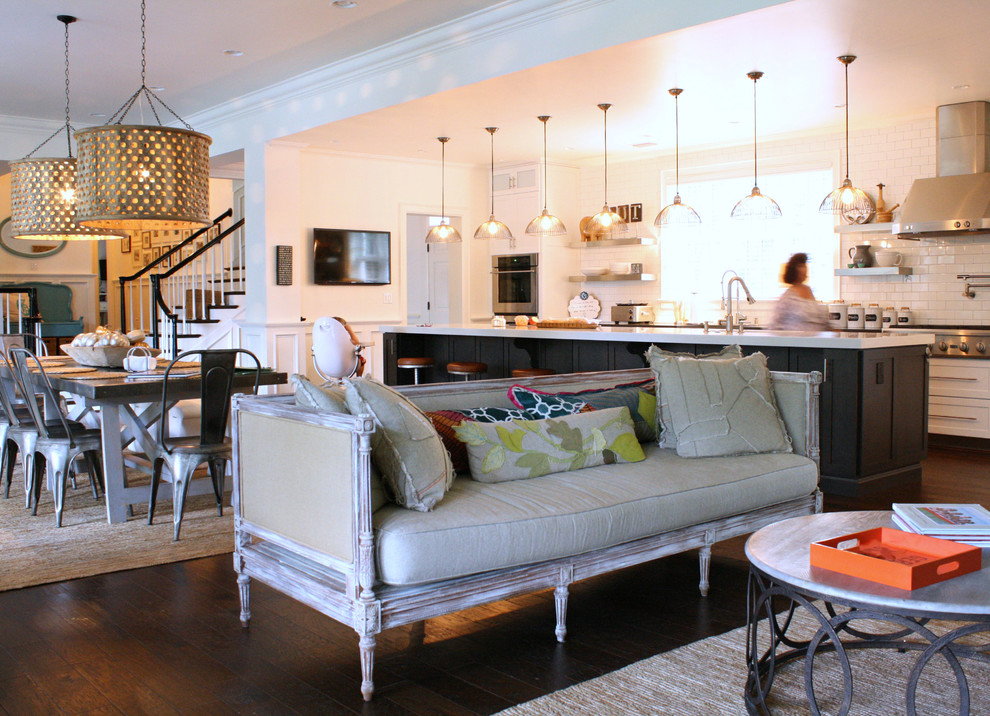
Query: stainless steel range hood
{"type": "Point", "coordinates": [956, 202]}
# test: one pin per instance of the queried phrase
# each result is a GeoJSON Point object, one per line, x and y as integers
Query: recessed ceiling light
{"type": "Point", "coordinates": [97, 114]}
{"type": "Point", "coordinates": [839, 106]}
{"type": "Point", "coordinates": [157, 89]}
{"type": "Point", "coordinates": [233, 53]}
{"type": "Point", "coordinates": [644, 145]}
{"type": "Point", "coordinates": [960, 86]}
{"type": "Point", "coordinates": [346, 4]}
{"type": "Point", "coordinates": [733, 121]}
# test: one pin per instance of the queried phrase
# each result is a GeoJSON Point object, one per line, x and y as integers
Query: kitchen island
{"type": "Point", "coordinates": [874, 394]}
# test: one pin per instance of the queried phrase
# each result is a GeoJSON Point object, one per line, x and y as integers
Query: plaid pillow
{"type": "Point", "coordinates": [639, 397]}
{"type": "Point", "coordinates": [444, 421]}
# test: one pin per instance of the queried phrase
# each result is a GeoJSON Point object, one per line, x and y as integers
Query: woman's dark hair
{"type": "Point", "coordinates": [791, 269]}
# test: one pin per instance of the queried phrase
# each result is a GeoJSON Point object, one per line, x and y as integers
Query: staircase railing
{"type": "Point", "coordinates": [178, 288]}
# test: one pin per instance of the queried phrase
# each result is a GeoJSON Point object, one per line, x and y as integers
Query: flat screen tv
{"type": "Point", "coordinates": [346, 257]}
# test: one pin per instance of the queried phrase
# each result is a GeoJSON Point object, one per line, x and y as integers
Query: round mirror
{"type": "Point", "coordinates": [28, 248]}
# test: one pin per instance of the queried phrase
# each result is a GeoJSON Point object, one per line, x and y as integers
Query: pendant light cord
{"type": "Point", "coordinates": [544, 120]}
{"type": "Point", "coordinates": [754, 132]}
{"type": "Point", "coordinates": [677, 147]}
{"type": "Point", "coordinates": [443, 180]}
{"type": "Point", "coordinates": [847, 119]}
{"type": "Point", "coordinates": [491, 132]}
{"type": "Point", "coordinates": [604, 108]}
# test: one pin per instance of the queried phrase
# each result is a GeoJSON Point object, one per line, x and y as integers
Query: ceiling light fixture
{"type": "Point", "coordinates": [847, 201]}
{"type": "Point", "coordinates": [138, 177]}
{"type": "Point", "coordinates": [677, 213]}
{"type": "Point", "coordinates": [345, 4]}
{"type": "Point", "coordinates": [605, 223]}
{"type": "Point", "coordinates": [755, 206]}
{"type": "Point", "coordinates": [493, 228]}
{"type": "Point", "coordinates": [546, 224]}
{"type": "Point", "coordinates": [234, 53]}
{"type": "Point", "coordinates": [443, 233]}
{"type": "Point", "coordinates": [43, 191]}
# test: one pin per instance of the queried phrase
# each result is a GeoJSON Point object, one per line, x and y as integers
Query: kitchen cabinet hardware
{"type": "Point", "coordinates": [953, 417]}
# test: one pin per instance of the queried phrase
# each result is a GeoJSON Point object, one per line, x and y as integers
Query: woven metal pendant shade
{"type": "Point", "coordinates": [755, 206]}
{"type": "Point", "coordinates": [493, 228]}
{"type": "Point", "coordinates": [546, 224]}
{"type": "Point", "coordinates": [443, 233]}
{"type": "Point", "coordinates": [848, 201]}
{"type": "Point", "coordinates": [42, 202]}
{"type": "Point", "coordinates": [138, 177]}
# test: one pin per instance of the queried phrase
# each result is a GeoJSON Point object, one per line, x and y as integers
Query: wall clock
{"type": "Point", "coordinates": [27, 248]}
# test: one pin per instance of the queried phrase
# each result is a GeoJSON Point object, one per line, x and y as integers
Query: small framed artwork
{"type": "Point", "coordinates": [186, 233]}
{"type": "Point", "coordinates": [125, 244]}
{"type": "Point", "coordinates": [156, 253]}
{"type": "Point", "coordinates": [145, 239]}
{"type": "Point", "coordinates": [136, 256]}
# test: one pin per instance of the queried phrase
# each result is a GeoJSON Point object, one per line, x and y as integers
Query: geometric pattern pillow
{"type": "Point", "coordinates": [639, 397]}
{"type": "Point", "coordinates": [667, 438]}
{"type": "Point", "coordinates": [520, 449]}
{"type": "Point", "coordinates": [446, 420]}
{"type": "Point", "coordinates": [723, 406]}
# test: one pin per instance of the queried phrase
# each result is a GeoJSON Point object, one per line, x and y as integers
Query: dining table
{"type": "Point", "coordinates": [125, 405]}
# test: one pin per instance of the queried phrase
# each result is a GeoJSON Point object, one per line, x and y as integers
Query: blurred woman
{"type": "Point", "coordinates": [797, 309]}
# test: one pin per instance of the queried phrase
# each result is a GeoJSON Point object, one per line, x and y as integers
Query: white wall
{"type": "Point", "coordinates": [895, 155]}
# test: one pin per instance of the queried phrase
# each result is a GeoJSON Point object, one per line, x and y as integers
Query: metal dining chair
{"type": "Point", "coordinates": [60, 441]}
{"type": "Point", "coordinates": [182, 455]}
{"type": "Point", "coordinates": [23, 340]}
{"type": "Point", "coordinates": [17, 432]}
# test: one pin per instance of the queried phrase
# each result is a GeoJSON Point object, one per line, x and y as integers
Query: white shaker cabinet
{"type": "Point", "coordinates": [959, 397]}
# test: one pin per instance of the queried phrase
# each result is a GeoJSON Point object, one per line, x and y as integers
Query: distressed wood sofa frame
{"type": "Point", "coordinates": [303, 516]}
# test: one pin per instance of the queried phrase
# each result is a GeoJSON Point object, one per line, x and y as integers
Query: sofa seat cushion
{"type": "Point", "coordinates": [480, 527]}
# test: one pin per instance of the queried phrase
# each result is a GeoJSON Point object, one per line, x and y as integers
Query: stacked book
{"type": "Point", "coordinates": [960, 523]}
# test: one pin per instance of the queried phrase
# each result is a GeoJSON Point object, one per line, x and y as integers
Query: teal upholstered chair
{"type": "Point", "coordinates": [55, 306]}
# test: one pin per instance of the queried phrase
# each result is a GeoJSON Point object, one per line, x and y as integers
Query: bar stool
{"type": "Point", "coordinates": [468, 369]}
{"type": "Point", "coordinates": [532, 372]}
{"type": "Point", "coordinates": [415, 364]}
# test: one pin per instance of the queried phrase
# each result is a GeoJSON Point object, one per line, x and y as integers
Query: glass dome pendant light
{"type": "Point", "coordinates": [677, 213]}
{"type": "Point", "coordinates": [493, 228]}
{"type": "Point", "coordinates": [443, 233]}
{"type": "Point", "coordinates": [847, 200]}
{"type": "Point", "coordinates": [546, 224]}
{"type": "Point", "coordinates": [756, 205]}
{"type": "Point", "coordinates": [138, 177]}
{"type": "Point", "coordinates": [605, 223]}
{"type": "Point", "coordinates": [43, 190]}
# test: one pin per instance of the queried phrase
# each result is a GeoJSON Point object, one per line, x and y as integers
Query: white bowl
{"type": "Point", "coordinates": [594, 271]}
{"type": "Point", "coordinates": [620, 267]}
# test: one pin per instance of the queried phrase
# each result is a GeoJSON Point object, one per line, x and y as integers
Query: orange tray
{"type": "Point", "coordinates": [899, 559]}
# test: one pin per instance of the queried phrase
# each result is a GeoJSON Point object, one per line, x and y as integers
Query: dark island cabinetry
{"type": "Point", "coordinates": [873, 416]}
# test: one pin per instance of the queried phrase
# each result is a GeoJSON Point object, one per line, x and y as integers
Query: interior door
{"type": "Point", "coordinates": [427, 301]}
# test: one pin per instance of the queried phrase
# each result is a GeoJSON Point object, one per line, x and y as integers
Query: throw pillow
{"type": "Point", "coordinates": [326, 398]}
{"type": "Point", "coordinates": [519, 449]}
{"type": "Point", "coordinates": [638, 397]}
{"type": "Point", "coordinates": [667, 438]}
{"type": "Point", "coordinates": [331, 399]}
{"type": "Point", "coordinates": [722, 406]}
{"type": "Point", "coordinates": [404, 446]}
{"type": "Point", "coordinates": [444, 421]}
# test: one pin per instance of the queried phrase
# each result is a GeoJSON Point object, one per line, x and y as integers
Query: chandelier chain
{"type": "Point", "coordinates": [68, 130]}
{"type": "Point", "coordinates": [144, 60]}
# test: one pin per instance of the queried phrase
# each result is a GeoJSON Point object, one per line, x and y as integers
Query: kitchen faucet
{"type": "Point", "coordinates": [732, 319]}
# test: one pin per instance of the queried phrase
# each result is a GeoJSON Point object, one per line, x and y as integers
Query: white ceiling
{"type": "Point", "coordinates": [911, 55]}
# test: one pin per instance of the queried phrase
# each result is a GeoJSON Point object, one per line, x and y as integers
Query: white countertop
{"type": "Point", "coordinates": [853, 340]}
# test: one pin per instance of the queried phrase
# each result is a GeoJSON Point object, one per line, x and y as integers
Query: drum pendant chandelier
{"type": "Point", "coordinates": [43, 190]}
{"type": "Point", "coordinates": [139, 177]}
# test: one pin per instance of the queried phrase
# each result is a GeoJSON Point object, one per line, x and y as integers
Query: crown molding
{"type": "Point", "coordinates": [470, 30]}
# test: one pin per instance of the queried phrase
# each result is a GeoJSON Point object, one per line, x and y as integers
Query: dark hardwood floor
{"type": "Point", "coordinates": [167, 640]}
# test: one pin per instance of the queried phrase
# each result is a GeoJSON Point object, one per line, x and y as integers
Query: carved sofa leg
{"type": "Point", "coordinates": [244, 587]}
{"type": "Point", "coordinates": [560, 595]}
{"type": "Point", "coordinates": [705, 562]}
{"type": "Point", "coordinates": [367, 644]}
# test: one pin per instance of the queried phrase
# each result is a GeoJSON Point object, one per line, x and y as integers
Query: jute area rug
{"type": "Point", "coordinates": [34, 551]}
{"type": "Point", "coordinates": [708, 678]}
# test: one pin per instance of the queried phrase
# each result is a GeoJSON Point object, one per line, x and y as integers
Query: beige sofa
{"type": "Point", "coordinates": [306, 527]}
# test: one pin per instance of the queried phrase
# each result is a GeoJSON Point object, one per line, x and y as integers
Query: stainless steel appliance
{"type": "Point", "coordinates": [515, 285]}
{"type": "Point", "coordinates": [959, 341]}
{"type": "Point", "coordinates": [632, 313]}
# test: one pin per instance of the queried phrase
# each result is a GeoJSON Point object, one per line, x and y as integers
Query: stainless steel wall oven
{"type": "Point", "coordinates": [515, 284]}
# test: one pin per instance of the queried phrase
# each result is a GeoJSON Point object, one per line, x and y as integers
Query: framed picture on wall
{"type": "Point", "coordinates": [137, 256]}
{"type": "Point", "coordinates": [125, 244]}
{"type": "Point", "coordinates": [156, 252]}
{"type": "Point", "coordinates": [145, 239]}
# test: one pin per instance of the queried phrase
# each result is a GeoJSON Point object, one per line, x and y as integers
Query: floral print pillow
{"type": "Point", "coordinates": [520, 449]}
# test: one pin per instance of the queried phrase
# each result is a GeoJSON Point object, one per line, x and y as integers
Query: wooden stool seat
{"type": "Point", "coordinates": [415, 364]}
{"type": "Point", "coordinates": [467, 368]}
{"type": "Point", "coordinates": [532, 372]}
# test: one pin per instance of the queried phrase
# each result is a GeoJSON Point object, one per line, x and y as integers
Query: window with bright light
{"type": "Point", "coordinates": [692, 260]}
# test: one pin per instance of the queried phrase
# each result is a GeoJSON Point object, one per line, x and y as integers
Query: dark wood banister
{"type": "Point", "coordinates": [122, 279]}
{"type": "Point", "coordinates": [157, 288]}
